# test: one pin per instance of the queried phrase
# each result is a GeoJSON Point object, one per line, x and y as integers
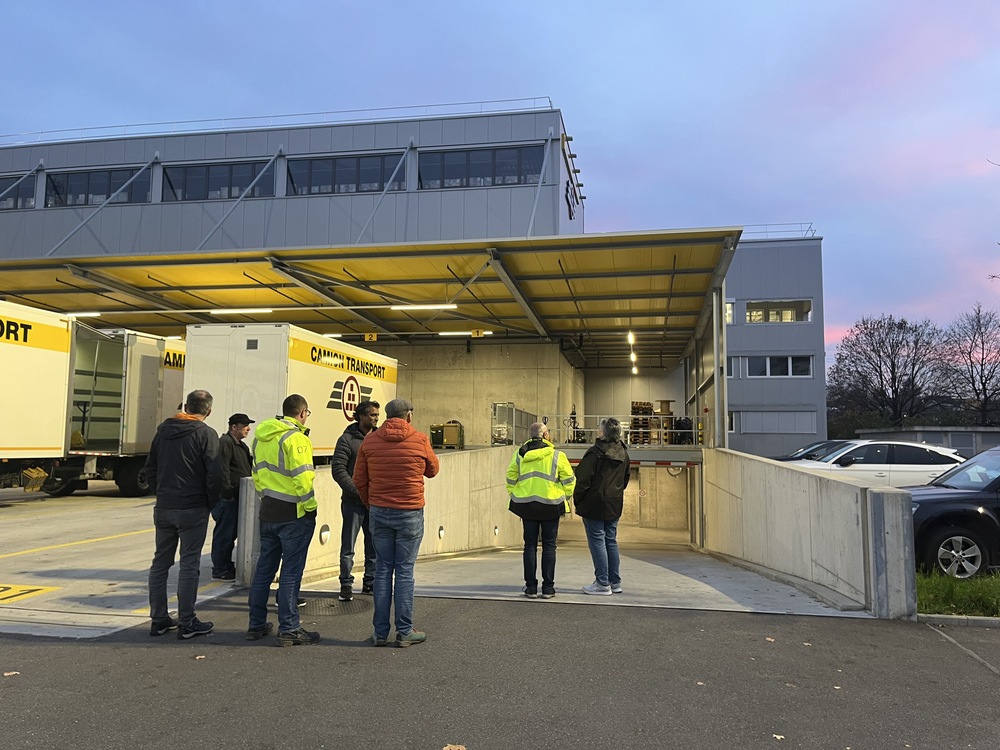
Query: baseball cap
{"type": "Point", "coordinates": [240, 418]}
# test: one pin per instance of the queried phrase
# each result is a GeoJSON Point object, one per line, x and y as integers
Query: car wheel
{"type": "Point", "coordinates": [957, 552]}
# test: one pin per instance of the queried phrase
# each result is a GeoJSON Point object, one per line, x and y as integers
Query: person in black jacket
{"type": "Point", "coordinates": [353, 511]}
{"type": "Point", "coordinates": [601, 478]}
{"type": "Point", "coordinates": [234, 457]}
{"type": "Point", "coordinates": [183, 470]}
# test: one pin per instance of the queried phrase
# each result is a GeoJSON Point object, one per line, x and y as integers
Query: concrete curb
{"type": "Point", "coordinates": [959, 621]}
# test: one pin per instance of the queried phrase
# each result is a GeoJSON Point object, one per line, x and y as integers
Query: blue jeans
{"type": "Point", "coordinates": [285, 543]}
{"type": "Point", "coordinates": [188, 527]}
{"type": "Point", "coordinates": [550, 530]}
{"type": "Point", "coordinates": [355, 519]}
{"type": "Point", "coordinates": [602, 538]}
{"type": "Point", "coordinates": [227, 517]}
{"type": "Point", "coordinates": [397, 535]}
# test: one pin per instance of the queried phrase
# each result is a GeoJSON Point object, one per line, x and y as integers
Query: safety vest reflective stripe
{"type": "Point", "coordinates": [289, 498]}
{"type": "Point", "coordinates": [536, 499]}
{"type": "Point", "coordinates": [281, 469]}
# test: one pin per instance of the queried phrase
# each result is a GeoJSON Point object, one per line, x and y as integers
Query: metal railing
{"type": "Point", "coordinates": [658, 430]}
{"type": "Point", "coordinates": [339, 117]}
{"type": "Point", "coordinates": [789, 229]}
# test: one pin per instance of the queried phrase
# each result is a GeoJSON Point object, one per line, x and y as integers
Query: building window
{"type": "Point", "coordinates": [731, 364]}
{"type": "Point", "coordinates": [212, 182]}
{"type": "Point", "coordinates": [346, 174]}
{"type": "Point", "coordinates": [480, 168]}
{"type": "Point", "coordinates": [23, 196]}
{"type": "Point", "coordinates": [781, 311]}
{"type": "Point", "coordinates": [729, 313]}
{"type": "Point", "coordinates": [779, 367]}
{"type": "Point", "coordinates": [93, 188]}
{"type": "Point", "coordinates": [731, 422]}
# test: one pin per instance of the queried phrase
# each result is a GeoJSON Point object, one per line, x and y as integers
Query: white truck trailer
{"type": "Point", "coordinates": [79, 403]}
{"type": "Point", "coordinates": [252, 368]}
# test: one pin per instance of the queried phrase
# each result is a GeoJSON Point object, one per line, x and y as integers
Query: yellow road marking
{"type": "Point", "coordinates": [12, 592]}
{"type": "Point", "coordinates": [74, 544]}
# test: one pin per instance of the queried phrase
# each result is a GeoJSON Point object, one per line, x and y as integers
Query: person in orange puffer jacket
{"type": "Point", "coordinates": [389, 474]}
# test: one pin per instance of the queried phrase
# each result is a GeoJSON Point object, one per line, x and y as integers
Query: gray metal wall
{"type": "Point", "coordinates": [299, 221]}
{"type": "Point", "coordinates": [776, 269]}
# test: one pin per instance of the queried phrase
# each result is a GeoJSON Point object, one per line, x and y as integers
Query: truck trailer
{"type": "Point", "coordinates": [251, 368]}
{"type": "Point", "coordinates": [79, 403]}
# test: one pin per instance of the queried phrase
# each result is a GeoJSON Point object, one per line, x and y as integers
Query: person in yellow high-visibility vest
{"type": "Point", "coordinates": [283, 473]}
{"type": "Point", "coordinates": [540, 482]}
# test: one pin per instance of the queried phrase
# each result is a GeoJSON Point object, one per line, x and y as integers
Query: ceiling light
{"type": "Point", "coordinates": [462, 333]}
{"type": "Point", "coordinates": [243, 311]}
{"type": "Point", "coordinates": [635, 370]}
{"type": "Point", "coordinates": [332, 335]}
{"type": "Point", "coordinates": [631, 338]}
{"type": "Point", "coordinates": [632, 356]}
{"type": "Point", "coordinates": [173, 338]}
{"type": "Point", "coordinates": [83, 315]}
{"type": "Point", "coordinates": [445, 306]}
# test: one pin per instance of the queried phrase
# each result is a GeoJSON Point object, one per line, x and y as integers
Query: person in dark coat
{"type": "Point", "coordinates": [352, 510]}
{"type": "Point", "coordinates": [601, 478]}
{"type": "Point", "coordinates": [234, 456]}
{"type": "Point", "coordinates": [183, 470]}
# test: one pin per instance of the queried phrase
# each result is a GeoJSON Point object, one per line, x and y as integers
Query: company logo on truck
{"type": "Point", "coordinates": [173, 360]}
{"type": "Point", "coordinates": [15, 330]}
{"type": "Point", "coordinates": [341, 361]}
{"type": "Point", "coordinates": [346, 395]}
{"type": "Point", "coordinates": [34, 335]}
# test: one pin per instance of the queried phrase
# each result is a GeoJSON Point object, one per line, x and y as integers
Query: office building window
{"type": "Point", "coordinates": [779, 367]}
{"type": "Point", "coordinates": [212, 182]}
{"type": "Point", "coordinates": [729, 313]}
{"type": "Point", "coordinates": [779, 311]}
{"type": "Point", "coordinates": [346, 174]}
{"type": "Point", "coordinates": [480, 168]}
{"type": "Point", "coordinates": [93, 188]}
{"type": "Point", "coordinates": [23, 196]}
{"type": "Point", "coordinates": [731, 364]}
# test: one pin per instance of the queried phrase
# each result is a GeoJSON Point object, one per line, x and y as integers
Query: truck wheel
{"type": "Point", "coordinates": [65, 488]}
{"type": "Point", "coordinates": [130, 476]}
{"type": "Point", "coordinates": [956, 552]}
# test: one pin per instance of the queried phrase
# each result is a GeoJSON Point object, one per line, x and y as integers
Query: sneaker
{"type": "Point", "coordinates": [197, 627]}
{"type": "Point", "coordinates": [367, 589]}
{"type": "Point", "coordinates": [597, 589]}
{"type": "Point", "coordinates": [379, 640]}
{"type": "Point", "coordinates": [410, 639]}
{"type": "Point", "coordinates": [301, 601]}
{"type": "Point", "coordinates": [530, 591]}
{"type": "Point", "coordinates": [548, 593]}
{"type": "Point", "coordinates": [300, 637]}
{"type": "Point", "coordinates": [229, 575]}
{"type": "Point", "coordinates": [346, 594]}
{"type": "Point", "coordinates": [159, 627]}
{"type": "Point", "coordinates": [616, 588]}
{"type": "Point", "coordinates": [255, 634]}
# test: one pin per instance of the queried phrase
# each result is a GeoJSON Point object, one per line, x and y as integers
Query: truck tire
{"type": "Point", "coordinates": [130, 476]}
{"type": "Point", "coordinates": [64, 489]}
{"type": "Point", "coordinates": [956, 551]}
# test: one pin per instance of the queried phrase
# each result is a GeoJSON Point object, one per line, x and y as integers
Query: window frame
{"type": "Point", "coordinates": [790, 374]}
{"type": "Point", "coordinates": [83, 181]}
{"type": "Point", "coordinates": [311, 169]}
{"type": "Point", "coordinates": [759, 311]}
{"type": "Point", "coordinates": [433, 171]}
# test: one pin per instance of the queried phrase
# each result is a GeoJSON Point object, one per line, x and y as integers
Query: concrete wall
{"type": "Point", "coordinates": [854, 541]}
{"type": "Point", "coordinates": [449, 381]}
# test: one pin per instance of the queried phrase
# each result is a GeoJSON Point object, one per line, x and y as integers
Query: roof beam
{"type": "Point", "coordinates": [496, 264]}
{"type": "Point", "coordinates": [99, 279]}
{"type": "Point", "coordinates": [304, 281]}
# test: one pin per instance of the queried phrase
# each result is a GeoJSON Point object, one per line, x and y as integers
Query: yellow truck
{"type": "Point", "coordinates": [80, 403]}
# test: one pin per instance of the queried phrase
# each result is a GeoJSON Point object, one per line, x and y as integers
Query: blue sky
{"type": "Point", "coordinates": [872, 120]}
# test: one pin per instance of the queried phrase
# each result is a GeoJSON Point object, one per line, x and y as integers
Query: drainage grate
{"type": "Point", "coordinates": [329, 606]}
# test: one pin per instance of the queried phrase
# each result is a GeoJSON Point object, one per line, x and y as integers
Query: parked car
{"type": "Point", "coordinates": [956, 518]}
{"type": "Point", "coordinates": [891, 463]}
{"type": "Point", "coordinates": [812, 451]}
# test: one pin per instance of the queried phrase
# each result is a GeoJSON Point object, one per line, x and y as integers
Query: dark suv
{"type": "Point", "coordinates": [956, 518]}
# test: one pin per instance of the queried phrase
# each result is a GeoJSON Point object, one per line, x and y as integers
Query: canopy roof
{"type": "Point", "coordinates": [585, 291]}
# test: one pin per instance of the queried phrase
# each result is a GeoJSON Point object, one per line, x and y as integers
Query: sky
{"type": "Point", "coordinates": [872, 121]}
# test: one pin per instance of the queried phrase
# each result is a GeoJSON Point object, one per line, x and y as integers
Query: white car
{"type": "Point", "coordinates": [884, 463]}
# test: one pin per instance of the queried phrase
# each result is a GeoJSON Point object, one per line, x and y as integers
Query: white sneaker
{"type": "Point", "coordinates": [597, 589]}
{"type": "Point", "coordinates": [616, 588]}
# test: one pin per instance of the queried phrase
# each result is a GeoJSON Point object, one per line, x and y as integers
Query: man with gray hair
{"type": "Point", "coordinates": [601, 478]}
{"type": "Point", "coordinates": [389, 475]}
{"type": "Point", "coordinates": [540, 482]}
{"type": "Point", "coordinates": [183, 470]}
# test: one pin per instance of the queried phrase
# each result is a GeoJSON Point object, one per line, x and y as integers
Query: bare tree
{"type": "Point", "coordinates": [888, 369]}
{"type": "Point", "coordinates": [973, 358]}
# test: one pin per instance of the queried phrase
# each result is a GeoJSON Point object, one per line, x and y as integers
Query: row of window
{"type": "Point", "coordinates": [773, 311]}
{"type": "Point", "coordinates": [775, 366]}
{"type": "Point", "coordinates": [318, 176]}
{"type": "Point", "coordinates": [480, 168]}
